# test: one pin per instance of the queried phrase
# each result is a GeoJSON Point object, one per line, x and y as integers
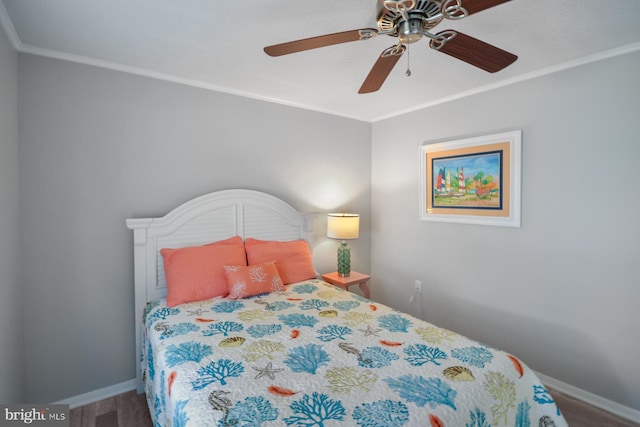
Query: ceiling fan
{"type": "Point", "coordinates": [409, 21]}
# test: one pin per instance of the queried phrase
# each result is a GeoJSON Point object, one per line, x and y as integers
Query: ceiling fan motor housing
{"type": "Point", "coordinates": [410, 31]}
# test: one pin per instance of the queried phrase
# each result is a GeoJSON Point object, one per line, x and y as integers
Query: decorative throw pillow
{"type": "Point", "coordinates": [196, 273]}
{"type": "Point", "coordinates": [293, 258]}
{"type": "Point", "coordinates": [253, 280]}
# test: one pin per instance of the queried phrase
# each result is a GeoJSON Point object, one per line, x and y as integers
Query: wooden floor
{"type": "Point", "coordinates": [124, 410]}
{"type": "Point", "coordinates": [130, 410]}
{"type": "Point", "coordinates": [580, 414]}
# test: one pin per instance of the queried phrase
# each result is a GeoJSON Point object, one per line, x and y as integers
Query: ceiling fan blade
{"type": "Point", "coordinates": [472, 51]}
{"type": "Point", "coordinates": [457, 9]}
{"type": "Point", "coordinates": [382, 68]}
{"type": "Point", "coordinates": [475, 6]}
{"type": "Point", "coordinates": [320, 41]}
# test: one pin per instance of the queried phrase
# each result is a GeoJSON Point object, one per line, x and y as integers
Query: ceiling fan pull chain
{"type": "Point", "coordinates": [408, 72]}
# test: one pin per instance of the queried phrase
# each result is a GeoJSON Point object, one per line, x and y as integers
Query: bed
{"type": "Point", "coordinates": [303, 353]}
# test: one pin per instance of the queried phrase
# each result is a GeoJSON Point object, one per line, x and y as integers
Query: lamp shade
{"type": "Point", "coordinates": [343, 226]}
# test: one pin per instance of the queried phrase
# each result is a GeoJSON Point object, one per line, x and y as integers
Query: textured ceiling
{"type": "Point", "coordinates": [218, 45]}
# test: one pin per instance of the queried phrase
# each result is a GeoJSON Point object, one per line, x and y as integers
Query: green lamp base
{"type": "Point", "coordinates": [344, 259]}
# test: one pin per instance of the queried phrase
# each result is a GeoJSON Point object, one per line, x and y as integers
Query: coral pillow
{"type": "Point", "coordinates": [196, 273]}
{"type": "Point", "coordinates": [253, 280]}
{"type": "Point", "coordinates": [293, 258]}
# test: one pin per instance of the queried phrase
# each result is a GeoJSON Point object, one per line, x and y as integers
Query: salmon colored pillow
{"type": "Point", "coordinates": [253, 280]}
{"type": "Point", "coordinates": [196, 273]}
{"type": "Point", "coordinates": [293, 258]}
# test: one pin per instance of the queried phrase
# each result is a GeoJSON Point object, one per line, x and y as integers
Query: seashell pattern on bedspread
{"type": "Point", "coordinates": [315, 355]}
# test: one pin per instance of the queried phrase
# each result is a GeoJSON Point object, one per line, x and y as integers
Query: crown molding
{"type": "Point", "coordinates": [619, 51]}
{"type": "Point", "coordinates": [7, 24]}
{"type": "Point", "coordinates": [144, 72]}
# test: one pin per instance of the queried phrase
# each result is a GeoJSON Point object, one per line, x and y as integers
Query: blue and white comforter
{"type": "Point", "coordinates": [316, 355]}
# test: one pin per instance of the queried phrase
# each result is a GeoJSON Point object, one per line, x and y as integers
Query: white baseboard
{"type": "Point", "coordinates": [592, 399]}
{"type": "Point", "coordinates": [100, 394]}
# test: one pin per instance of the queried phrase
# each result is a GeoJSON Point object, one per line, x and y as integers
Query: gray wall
{"type": "Point", "coordinates": [98, 146]}
{"type": "Point", "coordinates": [561, 292]}
{"type": "Point", "coordinates": [11, 332]}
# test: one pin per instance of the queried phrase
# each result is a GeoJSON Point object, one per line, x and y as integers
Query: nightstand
{"type": "Point", "coordinates": [354, 278]}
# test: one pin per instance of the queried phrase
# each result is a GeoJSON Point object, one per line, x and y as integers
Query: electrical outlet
{"type": "Point", "coordinates": [418, 286]}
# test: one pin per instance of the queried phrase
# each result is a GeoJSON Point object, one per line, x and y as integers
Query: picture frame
{"type": "Point", "coordinates": [474, 180]}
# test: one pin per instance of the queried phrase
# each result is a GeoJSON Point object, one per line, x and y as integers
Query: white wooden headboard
{"type": "Point", "coordinates": [205, 219]}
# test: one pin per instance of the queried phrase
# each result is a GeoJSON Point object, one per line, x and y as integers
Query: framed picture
{"type": "Point", "coordinates": [473, 180]}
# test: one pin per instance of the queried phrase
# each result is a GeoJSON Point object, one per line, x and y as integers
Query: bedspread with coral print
{"type": "Point", "coordinates": [315, 355]}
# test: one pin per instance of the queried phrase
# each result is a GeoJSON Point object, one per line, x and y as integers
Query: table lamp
{"type": "Point", "coordinates": [343, 226]}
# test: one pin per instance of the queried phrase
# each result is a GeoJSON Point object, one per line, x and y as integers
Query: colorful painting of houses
{"type": "Point", "coordinates": [468, 181]}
